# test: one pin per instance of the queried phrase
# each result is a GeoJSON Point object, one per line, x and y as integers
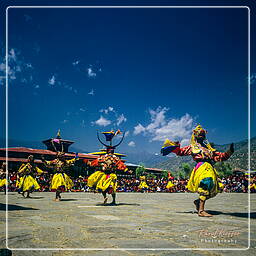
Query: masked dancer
{"type": "Point", "coordinates": [204, 178]}
{"type": "Point", "coordinates": [143, 186]}
{"type": "Point", "coordinates": [170, 185]}
{"type": "Point", "coordinates": [60, 181]}
{"type": "Point", "coordinates": [3, 180]}
{"type": "Point", "coordinates": [27, 182]}
{"type": "Point", "coordinates": [104, 180]}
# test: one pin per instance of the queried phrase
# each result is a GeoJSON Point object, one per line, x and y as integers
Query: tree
{"type": "Point", "coordinates": [186, 168]}
{"type": "Point", "coordinates": [181, 174]}
{"type": "Point", "coordinates": [223, 169]}
{"type": "Point", "coordinates": [151, 176]}
{"type": "Point", "coordinates": [140, 170]}
{"type": "Point", "coordinates": [164, 174]}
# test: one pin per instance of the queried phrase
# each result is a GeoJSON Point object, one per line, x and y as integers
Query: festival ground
{"type": "Point", "coordinates": [150, 220]}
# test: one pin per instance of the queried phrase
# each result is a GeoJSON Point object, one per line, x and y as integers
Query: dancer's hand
{"type": "Point", "coordinates": [231, 148]}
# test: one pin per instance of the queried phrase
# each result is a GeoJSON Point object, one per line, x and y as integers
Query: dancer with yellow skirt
{"type": "Point", "coordinates": [60, 181]}
{"type": "Point", "coordinates": [27, 182]}
{"type": "Point", "coordinates": [143, 186]}
{"type": "Point", "coordinates": [170, 185]}
{"type": "Point", "coordinates": [204, 178]}
{"type": "Point", "coordinates": [104, 180]}
{"type": "Point", "coordinates": [3, 180]}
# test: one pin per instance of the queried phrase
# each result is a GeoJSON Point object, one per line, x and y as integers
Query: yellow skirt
{"type": "Point", "coordinates": [143, 184]}
{"type": "Point", "coordinates": [27, 182]}
{"type": "Point", "coordinates": [2, 182]}
{"type": "Point", "coordinates": [94, 178]}
{"type": "Point", "coordinates": [107, 181]}
{"type": "Point", "coordinates": [252, 185]}
{"type": "Point", "coordinates": [61, 180]}
{"type": "Point", "coordinates": [169, 185]}
{"type": "Point", "coordinates": [203, 180]}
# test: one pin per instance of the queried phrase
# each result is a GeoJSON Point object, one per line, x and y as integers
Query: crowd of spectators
{"type": "Point", "coordinates": [233, 183]}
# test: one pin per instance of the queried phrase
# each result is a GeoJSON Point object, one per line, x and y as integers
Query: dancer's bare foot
{"type": "Point", "coordinates": [56, 199]}
{"type": "Point", "coordinates": [196, 203]}
{"type": "Point", "coordinates": [204, 214]}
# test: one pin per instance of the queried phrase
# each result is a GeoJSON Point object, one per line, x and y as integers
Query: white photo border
{"type": "Point", "coordinates": [249, 131]}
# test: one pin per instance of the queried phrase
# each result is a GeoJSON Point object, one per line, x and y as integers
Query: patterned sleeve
{"type": "Point", "coordinates": [121, 166]}
{"type": "Point", "coordinates": [94, 162]}
{"type": "Point", "coordinates": [22, 168]}
{"type": "Point", "coordinates": [48, 163]}
{"type": "Point", "coordinates": [219, 156]}
{"type": "Point", "coordinates": [39, 171]}
{"type": "Point", "coordinates": [184, 151]}
{"type": "Point", "coordinates": [71, 161]}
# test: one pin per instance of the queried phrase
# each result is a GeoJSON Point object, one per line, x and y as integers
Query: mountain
{"type": "Point", "coordinates": [144, 158]}
{"type": "Point", "coordinates": [239, 160]}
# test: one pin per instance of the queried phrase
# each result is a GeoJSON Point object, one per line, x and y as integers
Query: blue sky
{"type": "Point", "coordinates": [154, 73]}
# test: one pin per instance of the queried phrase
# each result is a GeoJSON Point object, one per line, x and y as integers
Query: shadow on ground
{"type": "Point", "coordinates": [235, 214]}
{"type": "Point", "coordinates": [5, 252]}
{"type": "Point", "coordinates": [12, 207]}
{"type": "Point", "coordinates": [68, 200]}
{"type": "Point", "coordinates": [119, 204]}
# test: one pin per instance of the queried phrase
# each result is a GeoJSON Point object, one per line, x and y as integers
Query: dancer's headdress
{"type": "Point", "coordinates": [109, 137]}
{"type": "Point", "coordinates": [197, 133]}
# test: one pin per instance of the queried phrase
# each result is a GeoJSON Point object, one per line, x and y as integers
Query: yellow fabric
{"type": "Point", "coordinates": [104, 183]}
{"type": "Point", "coordinates": [18, 182]}
{"type": "Point", "coordinates": [143, 184]}
{"type": "Point", "coordinates": [2, 182]}
{"type": "Point", "coordinates": [25, 168]}
{"type": "Point", "coordinates": [27, 182]}
{"type": "Point", "coordinates": [170, 185]}
{"type": "Point", "coordinates": [195, 148]}
{"type": "Point", "coordinates": [61, 179]}
{"type": "Point", "coordinates": [94, 178]}
{"type": "Point", "coordinates": [252, 185]}
{"type": "Point", "coordinates": [169, 143]}
{"type": "Point", "coordinates": [206, 170]}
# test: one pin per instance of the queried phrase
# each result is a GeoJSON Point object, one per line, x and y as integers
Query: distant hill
{"type": "Point", "coordinates": [145, 158]}
{"type": "Point", "coordinates": [239, 160]}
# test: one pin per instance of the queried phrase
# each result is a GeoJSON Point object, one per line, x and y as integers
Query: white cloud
{"type": "Point", "coordinates": [90, 72]}
{"type": "Point", "coordinates": [252, 78]}
{"type": "Point", "coordinates": [131, 144]}
{"type": "Point", "coordinates": [37, 86]}
{"type": "Point", "coordinates": [75, 62]}
{"type": "Point", "coordinates": [127, 134]}
{"type": "Point", "coordinates": [82, 109]}
{"type": "Point", "coordinates": [162, 128]}
{"type": "Point", "coordinates": [121, 119]}
{"type": "Point", "coordinates": [28, 65]}
{"type": "Point", "coordinates": [91, 92]}
{"type": "Point", "coordinates": [107, 110]}
{"type": "Point", "coordinates": [139, 129]}
{"type": "Point", "coordinates": [102, 121]}
{"type": "Point", "coordinates": [52, 80]}
{"type": "Point", "coordinates": [12, 55]}
{"type": "Point", "coordinates": [83, 123]}
{"type": "Point", "coordinates": [65, 121]}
